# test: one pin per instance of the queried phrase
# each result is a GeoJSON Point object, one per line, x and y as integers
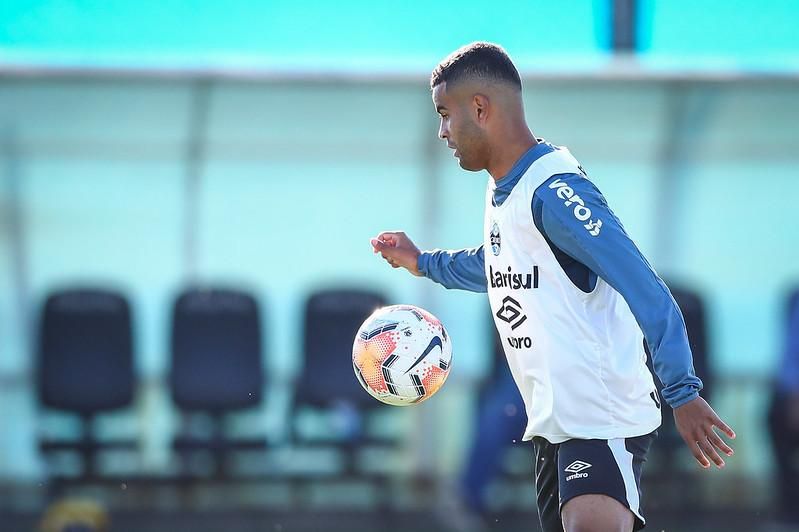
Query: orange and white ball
{"type": "Point", "coordinates": [401, 355]}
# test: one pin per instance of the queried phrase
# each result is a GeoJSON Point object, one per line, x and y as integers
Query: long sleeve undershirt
{"type": "Point", "coordinates": [611, 255]}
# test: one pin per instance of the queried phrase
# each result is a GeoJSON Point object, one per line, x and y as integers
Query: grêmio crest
{"type": "Point", "coordinates": [495, 240]}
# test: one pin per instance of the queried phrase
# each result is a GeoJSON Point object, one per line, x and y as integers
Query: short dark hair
{"type": "Point", "coordinates": [481, 60]}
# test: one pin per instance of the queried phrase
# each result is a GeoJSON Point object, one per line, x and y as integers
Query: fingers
{"type": "Point", "coordinates": [695, 421]}
{"type": "Point", "coordinates": [385, 240]}
{"type": "Point", "coordinates": [710, 452]}
{"type": "Point", "coordinates": [703, 443]}
{"type": "Point", "coordinates": [719, 443]}
{"type": "Point", "coordinates": [398, 250]}
{"type": "Point", "coordinates": [700, 457]}
{"type": "Point", "coordinates": [379, 246]}
{"type": "Point", "coordinates": [392, 238]}
{"type": "Point", "coordinates": [381, 243]}
{"type": "Point", "coordinates": [724, 427]}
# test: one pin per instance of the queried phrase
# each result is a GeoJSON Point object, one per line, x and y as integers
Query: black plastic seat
{"type": "Point", "coordinates": [675, 484]}
{"type": "Point", "coordinates": [85, 364]}
{"type": "Point", "coordinates": [332, 318]}
{"type": "Point", "coordinates": [327, 385]}
{"type": "Point", "coordinates": [216, 368]}
{"type": "Point", "coordinates": [783, 432]}
{"type": "Point", "coordinates": [500, 408]}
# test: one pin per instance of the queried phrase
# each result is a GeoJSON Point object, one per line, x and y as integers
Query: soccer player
{"type": "Point", "coordinates": [573, 299]}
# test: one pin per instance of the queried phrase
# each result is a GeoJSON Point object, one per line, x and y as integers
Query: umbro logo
{"type": "Point", "coordinates": [577, 466]}
{"type": "Point", "coordinates": [576, 469]}
{"type": "Point", "coordinates": [511, 312]}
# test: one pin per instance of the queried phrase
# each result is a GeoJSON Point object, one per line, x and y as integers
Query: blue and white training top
{"type": "Point", "coordinates": [595, 259]}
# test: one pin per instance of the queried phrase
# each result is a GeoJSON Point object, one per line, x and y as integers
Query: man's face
{"type": "Point", "coordinates": [459, 127]}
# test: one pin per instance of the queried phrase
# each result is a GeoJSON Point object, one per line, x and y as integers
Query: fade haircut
{"type": "Point", "coordinates": [478, 60]}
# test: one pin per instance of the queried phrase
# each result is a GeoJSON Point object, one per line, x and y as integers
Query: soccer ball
{"type": "Point", "coordinates": [401, 355]}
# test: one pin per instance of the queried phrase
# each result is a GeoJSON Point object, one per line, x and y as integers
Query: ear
{"type": "Point", "coordinates": [480, 105]}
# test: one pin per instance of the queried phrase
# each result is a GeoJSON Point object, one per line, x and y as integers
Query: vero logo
{"type": "Point", "coordinates": [581, 211]}
{"type": "Point", "coordinates": [577, 469]}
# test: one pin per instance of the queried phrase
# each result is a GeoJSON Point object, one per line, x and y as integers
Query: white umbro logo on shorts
{"type": "Point", "coordinates": [576, 468]}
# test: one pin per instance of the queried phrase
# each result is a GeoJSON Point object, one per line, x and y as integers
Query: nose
{"type": "Point", "coordinates": [443, 132]}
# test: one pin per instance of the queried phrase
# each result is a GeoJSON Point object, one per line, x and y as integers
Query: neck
{"type": "Point", "coordinates": [506, 153]}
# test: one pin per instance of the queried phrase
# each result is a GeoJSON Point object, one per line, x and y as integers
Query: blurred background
{"type": "Point", "coordinates": [187, 192]}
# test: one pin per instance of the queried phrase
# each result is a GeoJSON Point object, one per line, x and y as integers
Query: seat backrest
{"type": "Point", "coordinates": [332, 318]}
{"type": "Point", "coordinates": [217, 361]}
{"type": "Point", "coordinates": [85, 362]}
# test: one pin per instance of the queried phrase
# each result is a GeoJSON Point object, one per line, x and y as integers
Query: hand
{"type": "Point", "coordinates": [398, 250]}
{"type": "Point", "coordinates": [695, 421]}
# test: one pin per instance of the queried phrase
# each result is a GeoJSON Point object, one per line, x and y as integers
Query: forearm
{"type": "Point", "coordinates": [462, 269]}
{"type": "Point", "coordinates": [663, 326]}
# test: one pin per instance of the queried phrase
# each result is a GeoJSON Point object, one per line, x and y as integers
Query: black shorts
{"type": "Point", "coordinates": [581, 467]}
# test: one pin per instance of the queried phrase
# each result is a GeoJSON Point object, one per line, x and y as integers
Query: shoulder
{"type": "Point", "coordinates": [563, 186]}
{"type": "Point", "coordinates": [573, 201]}
{"type": "Point", "coordinates": [569, 188]}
